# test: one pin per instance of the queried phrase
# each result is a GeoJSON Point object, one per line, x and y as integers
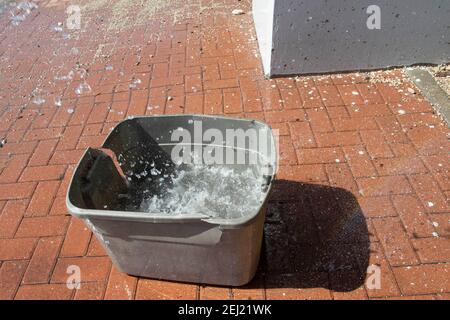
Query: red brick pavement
{"type": "Point", "coordinates": [364, 175]}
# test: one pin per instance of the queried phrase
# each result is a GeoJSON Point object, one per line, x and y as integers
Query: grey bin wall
{"type": "Point", "coordinates": [319, 36]}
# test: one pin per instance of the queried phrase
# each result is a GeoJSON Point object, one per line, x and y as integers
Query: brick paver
{"type": "Point", "coordinates": [363, 181]}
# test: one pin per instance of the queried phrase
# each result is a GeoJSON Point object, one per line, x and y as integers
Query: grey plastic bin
{"type": "Point", "coordinates": [190, 247]}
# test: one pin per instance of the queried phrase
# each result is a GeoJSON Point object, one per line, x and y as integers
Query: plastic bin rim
{"type": "Point", "coordinates": [159, 218]}
{"type": "Point", "coordinates": [187, 115]}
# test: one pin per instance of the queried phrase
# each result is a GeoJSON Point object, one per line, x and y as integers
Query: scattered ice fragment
{"type": "Point", "coordinates": [82, 88]}
{"type": "Point", "coordinates": [82, 73]}
{"type": "Point", "coordinates": [237, 12]}
{"type": "Point", "coordinates": [38, 100]}
{"type": "Point", "coordinates": [430, 204]}
{"type": "Point", "coordinates": [37, 97]}
{"type": "Point", "coordinates": [210, 190]}
{"type": "Point", "coordinates": [70, 111]}
{"type": "Point", "coordinates": [134, 83]}
{"type": "Point", "coordinates": [58, 27]}
{"type": "Point", "coordinates": [58, 102]}
{"type": "Point", "coordinates": [27, 6]}
{"type": "Point", "coordinates": [23, 9]}
{"type": "Point", "coordinates": [74, 51]}
{"type": "Point", "coordinates": [67, 77]}
{"type": "Point", "coordinates": [16, 20]}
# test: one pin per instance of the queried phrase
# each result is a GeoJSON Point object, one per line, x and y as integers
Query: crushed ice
{"type": "Point", "coordinates": [37, 96]}
{"type": "Point", "coordinates": [58, 27]}
{"type": "Point", "coordinates": [23, 9]}
{"type": "Point", "coordinates": [58, 102]}
{"type": "Point", "coordinates": [82, 88]}
{"type": "Point", "coordinates": [74, 51]}
{"type": "Point", "coordinates": [134, 83]}
{"type": "Point", "coordinates": [67, 77]}
{"type": "Point", "coordinates": [210, 190]}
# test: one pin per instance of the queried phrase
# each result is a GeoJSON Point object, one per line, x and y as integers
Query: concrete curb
{"type": "Point", "coordinates": [432, 91]}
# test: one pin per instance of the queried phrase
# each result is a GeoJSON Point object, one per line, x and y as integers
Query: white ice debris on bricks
{"type": "Point", "coordinates": [67, 77]}
{"type": "Point", "coordinates": [237, 12]}
{"type": "Point", "coordinates": [21, 12]}
{"type": "Point", "coordinates": [211, 190]}
{"type": "Point", "coordinates": [58, 27]}
{"type": "Point", "coordinates": [58, 102]}
{"type": "Point", "coordinates": [82, 88]}
{"type": "Point", "coordinates": [37, 96]}
{"type": "Point", "coordinates": [134, 83]}
{"type": "Point", "coordinates": [411, 90]}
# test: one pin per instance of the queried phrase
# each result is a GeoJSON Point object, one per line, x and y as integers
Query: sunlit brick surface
{"type": "Point", "coordinates": [364, 162]}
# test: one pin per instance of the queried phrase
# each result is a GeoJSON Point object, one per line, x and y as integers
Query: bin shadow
{"type": "Point", "coordinates": [314, 236]}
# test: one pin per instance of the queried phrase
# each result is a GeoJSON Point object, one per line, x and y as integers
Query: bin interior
{"type": "Point", "coordinates": [138, 173]}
